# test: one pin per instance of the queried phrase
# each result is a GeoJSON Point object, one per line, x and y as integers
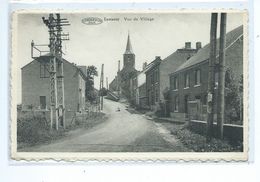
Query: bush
{"type": "Point", "coordinates": [198, 142]}
{"type": "Point", "coordinates": [32, 128]}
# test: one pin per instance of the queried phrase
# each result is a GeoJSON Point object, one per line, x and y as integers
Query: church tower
{"type": "Point", "coordinates": [129, 56]}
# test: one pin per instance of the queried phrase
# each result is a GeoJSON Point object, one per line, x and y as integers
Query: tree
{"type": "Point", "coordinates": [90, 91]}
{"type": "Point", "coordinates": [92, 71]}
{"type": "Point", "coordinates": [232, 100]}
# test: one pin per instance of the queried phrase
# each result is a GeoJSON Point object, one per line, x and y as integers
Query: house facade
{"type": "Point", "coordinates": [138, 88]}
{"type": "Point", "coordinates": [189, 83]}
{"type": "Point", "coordinates": [157, 76]}
{"type": "Point", "coordinates": [36, 86]}
{"type": "Point", "coordinates": [153, 83]}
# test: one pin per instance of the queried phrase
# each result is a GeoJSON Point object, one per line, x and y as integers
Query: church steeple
{"type": "Point", "coordinates": [128, 49]}
{"type": "Point", "coordinates": [129, 56]}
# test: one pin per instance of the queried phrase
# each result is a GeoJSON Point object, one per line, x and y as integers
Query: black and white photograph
{"type": "Point", "coordinates": [129, 85]}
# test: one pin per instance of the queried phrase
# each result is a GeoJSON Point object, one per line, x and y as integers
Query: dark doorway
{"type": "Point", "coordinates": [43, 102]}
{"type": "Point", "coordinates": [186, 100]}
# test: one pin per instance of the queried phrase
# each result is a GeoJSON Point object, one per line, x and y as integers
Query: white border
{"type": "Point", "coordinates": [134, 171]}
{"type": "Point", "coordinates": [122, 156]}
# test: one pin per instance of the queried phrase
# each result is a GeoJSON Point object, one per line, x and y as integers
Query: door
{"type": "Point", "coordinates": [186, 100]}
{"type": "Point", "coordinates": [43, 102]}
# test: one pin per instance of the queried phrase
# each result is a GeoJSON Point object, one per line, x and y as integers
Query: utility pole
{"type": "Point", "coordinates": [50, 23]}
{"type": "Point", "coordinates": [107, 82]}
{"type": "Point", "coordinates": [57, 100]}
{"type": "Point", "coordinates": [211, 76]}
{"type": "Point", "coordinates": [221, 76]}
{"type": "Point", "coordinates": [118, 79]}
{"type": "Point", "coordinates": [101, 86]}
{"type": "Point", "coordinates": [59, 38]}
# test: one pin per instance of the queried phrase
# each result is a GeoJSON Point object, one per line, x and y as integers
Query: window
{"type": "Point", "coordinates": [156, 75]}
{"type": "Point", "coordinates": [152, 78]}
{"type": "Point", "coordinates": [43, 102]}
{"type": "Point", "coordinates": [187, 80]}
{"type": "Point", "coordinates": [197, 77]}
{"type": "Point", "coordinates": [156, 94]}
{"type": "Point", "coordinates": [176, 103]}
{"type": "Point", "coordinates": [44, 73]}
{"type": "Point", "coordinates": [175, 83]}
{"type": "Point", "coordinates": [205, 98]}
{"type": "Point", "coordinates": [198, 98]}
{"type": "Point", "coordinates": [152, 97]}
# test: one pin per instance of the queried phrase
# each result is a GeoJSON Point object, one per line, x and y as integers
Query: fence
{"type": "Point", "coordinates": [72, 117]}
{"type": "Point", "coordinates": [233, 133]}
{"type": "Point", "coordinates": [197, 123]}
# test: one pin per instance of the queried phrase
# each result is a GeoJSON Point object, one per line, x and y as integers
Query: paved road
{"type": "Point", "coordinates": [122, 132]}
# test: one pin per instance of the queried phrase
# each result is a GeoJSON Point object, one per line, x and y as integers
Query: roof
{"type": "Point", "coordinates": [203, 54]}
{"type": "Point", "coordinates": [128, 49]}
{"type": "Point", "coordinates": [152, 64]}
{"type": "Point", "coordinates": [44, 58]}
{"type": "Point", "coordinates": [178, 57]}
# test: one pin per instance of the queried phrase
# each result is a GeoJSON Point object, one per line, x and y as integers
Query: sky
{"type": "Point", "coordinates": [105, 43]}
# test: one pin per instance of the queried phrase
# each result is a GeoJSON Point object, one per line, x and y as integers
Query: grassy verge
{"type": "Point", "coordinates": [197, 142]}
{"type": "Point", "coordinates": [33, 128]}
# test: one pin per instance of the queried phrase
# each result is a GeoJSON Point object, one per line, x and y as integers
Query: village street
{"type": "Point", "coordinates": [122, 132]}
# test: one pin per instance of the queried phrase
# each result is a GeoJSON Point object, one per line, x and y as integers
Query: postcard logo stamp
{"type": "Point", "coordinates": [92, 21]}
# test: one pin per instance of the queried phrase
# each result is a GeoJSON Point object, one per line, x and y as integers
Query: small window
{"type": "Point", "coordinates": [198, 98]}
{"type": "Point", "coordinates": [205, 98]}
{"type": "Point", "coordinates": [156, 94]}
{"type": "Point", "coordinates": [44, 73]}
{"type": "Point", "coordinates": [176, 103]}
{"type": "Point", "coordinates": [152, 97]}
{"type": "Point", "coordinates": [43, 102]}
{"type": "Point", "coordinates": [187, 80]}
{"type": "Point", "coordinates": [157, 75]}
{"type": "Point", "coordinates": [175, 83]}
{"type": "Point", "coordinates": [197, 77]}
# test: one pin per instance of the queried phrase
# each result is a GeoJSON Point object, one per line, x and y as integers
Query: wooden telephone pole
{"type": "Point", "coordinates": [211, 76]}
{"type": "Point", "coordinates": [221, 76]}
{"type": "Point", "coordinates": [118, 79]}
{"type": "Point", "coordinates": [53, 70]}
{"type": "Point", "coordinates": [107, 82]}
{"type": "Point", "coordinates": [57, 99]}
{"type": "Point", "coordinates": [101, 86]}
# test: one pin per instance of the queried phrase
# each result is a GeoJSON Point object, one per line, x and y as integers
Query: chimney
{"type": "Point", "coordinates": [187, 45]}
{"type": "Point", "coordinates": [144, 65]}
{"type": "Point", "coordinates": [198, 45]}
{"type": "Point", "coordinates": [118, 66]}
{"type": "Point", "coordinates": [157, 57]}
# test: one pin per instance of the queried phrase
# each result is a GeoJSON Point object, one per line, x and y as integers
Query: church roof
{"type": "Point", "coordinates": [128, 49]}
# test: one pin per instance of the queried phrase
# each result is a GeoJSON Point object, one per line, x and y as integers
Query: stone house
{"type": "Point", "coordinates": [157, 76]}
{"type": "Point", "coordinates": [36, 86]}
{"type": "Point", "coordinates": [189, 83]}
{"type": "Point", "coordinates": [138, 89]}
